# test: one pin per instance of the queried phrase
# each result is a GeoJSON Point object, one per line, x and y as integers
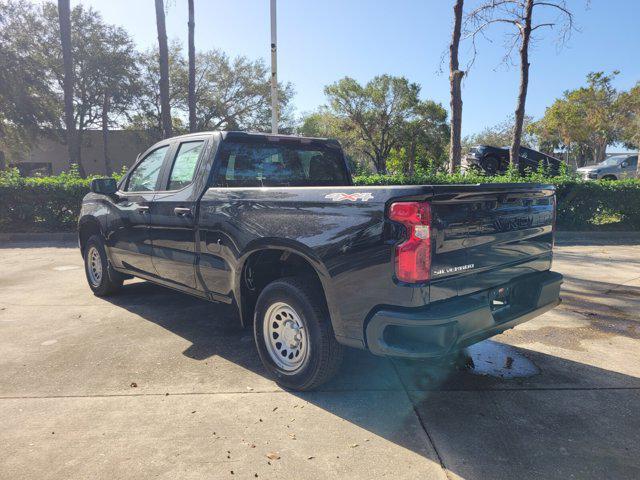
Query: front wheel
{"type": "Point", "coordinates": [103, 280]}
{"type": "Point", "coordinates": [294, 336]}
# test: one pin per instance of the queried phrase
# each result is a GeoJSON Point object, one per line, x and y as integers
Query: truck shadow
{"type": "Point", "coordinates": [501, 412]}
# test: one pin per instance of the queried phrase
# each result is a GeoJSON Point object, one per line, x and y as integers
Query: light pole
{"type": "Point", "coordinates": [274, 73]}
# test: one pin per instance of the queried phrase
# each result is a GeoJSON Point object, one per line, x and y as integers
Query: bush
{"type": "Point", "coordinates": [52, 204]}
{"type": "Point", "coordinates": [582, 205]}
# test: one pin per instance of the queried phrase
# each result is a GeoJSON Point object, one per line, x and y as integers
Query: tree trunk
{"type": "Point", "coordinates": [600, 151]}
{"type": "Point", "coordinates": [192, 70]}
{"type": "Point", "coordinates": [163, 49]}
{"type": "Point", "coordinates": [73, 145]}
{"type": "Point", "coordinates": [381, 164]}
{"type": "Point", "coordinates": [524, 83]}
{"type": "Point", "coordinates": [412, 159]}
{"type": "Point", "coordinates": [105, 134]}
{"type": "Point", "coordinates": [455, 79]}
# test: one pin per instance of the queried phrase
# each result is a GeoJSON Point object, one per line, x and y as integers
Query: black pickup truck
{"type": "Point", "coordinates": [273, 225]}
{"type": "Point", "coordinates": [495, 160]}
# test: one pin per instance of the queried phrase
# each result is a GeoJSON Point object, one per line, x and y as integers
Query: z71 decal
{"type": "Point", "coordinates": [354, 197]}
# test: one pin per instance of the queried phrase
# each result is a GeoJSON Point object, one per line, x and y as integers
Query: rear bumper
{"type": "Point", "coordinates": [446, 326]}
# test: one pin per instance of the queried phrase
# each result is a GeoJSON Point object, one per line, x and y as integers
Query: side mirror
{"type": "Point", "coordinates": [104, 186]}
{"type": "Point", "coordinates": [624, 164]}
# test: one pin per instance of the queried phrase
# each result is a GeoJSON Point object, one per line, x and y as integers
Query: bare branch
{"type": "Point", "coordinates": [543, 25]}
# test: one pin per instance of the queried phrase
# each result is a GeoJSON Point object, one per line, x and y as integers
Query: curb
{"type": "Point", "coordinates": [51, 237]}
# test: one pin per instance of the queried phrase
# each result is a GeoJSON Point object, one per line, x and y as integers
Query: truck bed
{"type": "Point", "coordinates": [483, 235]}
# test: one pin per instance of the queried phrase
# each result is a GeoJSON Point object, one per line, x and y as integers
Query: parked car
{"type": "Point", "coordinates": [613, 168]}
{"type": "Point", "coordinates": [274, 226]}
{"type": "Point", "coordinates": [495, 160]}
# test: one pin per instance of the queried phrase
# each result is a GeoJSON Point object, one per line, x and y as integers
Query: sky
{"type": "Point", "coordinates": [321, 41]}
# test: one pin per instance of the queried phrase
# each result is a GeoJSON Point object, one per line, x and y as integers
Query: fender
{"type": "Point", "coordinates": [294, 247]}
{"type": "Point", "coordinates": [94, 212]}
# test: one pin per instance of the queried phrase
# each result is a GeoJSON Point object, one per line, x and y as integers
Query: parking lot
{"type": "Point", "coordinates": [156, 384]}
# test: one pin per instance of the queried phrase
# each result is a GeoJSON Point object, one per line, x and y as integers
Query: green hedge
{"type": "Point", "coordinates": [40, 204]}
{"type": "Point", "coordinates": [51, 204]}
{"type": "Point", "coordinates": [582, 205]}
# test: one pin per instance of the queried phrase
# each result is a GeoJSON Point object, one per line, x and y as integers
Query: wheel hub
{"type": "Point", "coordinates": [94, 266]}
{"type": "Point", "coordinates": [291, 334]}
{"type": "Point", "coordinates": [285, 336]}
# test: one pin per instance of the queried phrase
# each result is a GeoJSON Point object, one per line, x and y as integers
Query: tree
{"type": "Point", "coordinates": [29, 103]}
{"type": "Point", "coordinates": [425, 133]}
{"type": "Point", "coordinates": [629, 113]}
{"type": "Point", "coordinates": [192, 69]}
{"type": "Point", "coordinates": [118, 79]}
{"type": "Point", "coordinates": [500, 135]}
{"type": "Point", "coordinates": [519, 14]}
{"type": "Point", "coordinates": [163, 59]}
{"type": "Point", "coordinates": [324, 124]}
{"type": "Point", "coordinates": [373, 115]}
{"type": "Point", "coordinates": [73, 143]}
{"type": "Point", "coordinates": [585, 120]}
{"type": "Point", "coordinates": [147, 108]}
{"type": "Point", "coordinates": [234, 94]}
{"type": "Point", "coordinates": [104, 68]}
{"type": "Point", "coordinates": [455, 80]}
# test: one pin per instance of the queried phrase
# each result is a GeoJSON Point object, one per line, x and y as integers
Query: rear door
{"type": "Point", "coordinates": [129, 241]}
{"type": "Point", "coordinates": [173, 213]}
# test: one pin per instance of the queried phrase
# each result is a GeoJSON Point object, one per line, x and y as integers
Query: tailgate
{"type": "Point", "coordinates": [486, 235]}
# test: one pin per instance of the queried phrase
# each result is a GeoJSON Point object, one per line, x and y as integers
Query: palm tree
{"type": "Point", "coordinates": [165, 108]}
{"type": "Point", "coordinates": [192, 70]}
{"type": "Point", "coordinates": [64, 18]}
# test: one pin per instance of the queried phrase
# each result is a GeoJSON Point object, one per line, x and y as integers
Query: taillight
{"type": "Point", "coordinates": [413, 256]}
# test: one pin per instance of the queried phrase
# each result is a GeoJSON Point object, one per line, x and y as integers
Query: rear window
{"type": "Point", "coordinates": [256, 164]}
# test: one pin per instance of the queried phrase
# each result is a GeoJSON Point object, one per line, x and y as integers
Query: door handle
{"type": "Point", "coordinates": [182, 211]}
{"type": "Point", "coordinates": [143, 209]}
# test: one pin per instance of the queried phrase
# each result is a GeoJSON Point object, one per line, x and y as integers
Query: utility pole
{"type": "Point", "coordinates": [274, 73]}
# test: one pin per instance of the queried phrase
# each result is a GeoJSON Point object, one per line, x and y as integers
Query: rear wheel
{"type": "Point", "coordinates": [103, 280]}
{"type": "Point", "coordinates": [294, 336]}
{"type": "Point", "coordinates": [609, 177]}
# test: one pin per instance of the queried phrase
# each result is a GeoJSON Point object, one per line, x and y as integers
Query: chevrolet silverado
{"type": "Point", "coordinates": [273, 225]}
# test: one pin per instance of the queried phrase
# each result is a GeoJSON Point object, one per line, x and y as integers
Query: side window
{"type": "Point", "coordinates": [632, 161]}
{"type": "Point", "coordinates": [184, 166]}
{"type": "Point", "coordinates": [145, 177]}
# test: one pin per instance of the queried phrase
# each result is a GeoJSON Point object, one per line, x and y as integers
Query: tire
{"type": "Point", "coordinates": [102, 279]}
{"type": "Point", "coordinates": [296, 304]}
{"type": "Point", "coordinates": [609, 177]}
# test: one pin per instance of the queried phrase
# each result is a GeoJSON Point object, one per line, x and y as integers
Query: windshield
{"type": "Point", "coordinates": [612, 161]}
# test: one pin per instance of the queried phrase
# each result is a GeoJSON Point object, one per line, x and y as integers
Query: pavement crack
{"type": "Point", "coordinates": [619, 285]}
{"type": "Point", "coordinates": [183, 394]}
{"type": "Point", "coordinates": [422, 422]}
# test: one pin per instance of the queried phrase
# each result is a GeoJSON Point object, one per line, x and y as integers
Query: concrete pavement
{"type": "Point", "coordinates": [156, 384]}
